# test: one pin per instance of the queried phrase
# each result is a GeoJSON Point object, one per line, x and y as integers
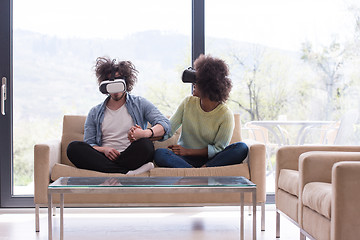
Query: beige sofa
{"type": "Point", "coordinates": [314, 195]}
{"type": "Point", "coordinates": [51, 163]}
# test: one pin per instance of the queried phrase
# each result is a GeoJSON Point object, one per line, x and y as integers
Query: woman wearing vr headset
{"type": "Point", "coordinates": [207, 123]}
{"type": "Point", "coordinates": [116, 138]}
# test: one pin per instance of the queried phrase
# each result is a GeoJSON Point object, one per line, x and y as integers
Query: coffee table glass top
{"type": "Point", "coordinates": [91, 182]}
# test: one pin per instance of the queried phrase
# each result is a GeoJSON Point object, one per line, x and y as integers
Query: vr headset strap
{"type": "Point", "coordinates": [112, 77]}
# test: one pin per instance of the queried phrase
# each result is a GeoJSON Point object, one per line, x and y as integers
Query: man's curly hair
{"type": "Point", "coordinates": [212, 78]}
{"type": "Point", "coordinates": [104, 67]}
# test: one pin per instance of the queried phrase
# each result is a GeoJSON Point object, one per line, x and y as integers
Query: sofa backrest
{"type": "Point", "coordinates": [73, 130]}
{"type": "Point", "coordinates": [236, 137]}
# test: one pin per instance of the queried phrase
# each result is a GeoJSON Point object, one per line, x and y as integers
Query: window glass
{"type": "Point", "coordinates": [54, 54]}
{"type": "Point", "coordinates": [290, 61]}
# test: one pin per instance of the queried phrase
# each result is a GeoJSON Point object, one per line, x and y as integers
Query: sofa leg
{"type": "Point", "coordinates": [37, 222]}
{"type": "Point", "coordinates": [277, 224]}
{"type": "Point", "coordinates": [262, 216]}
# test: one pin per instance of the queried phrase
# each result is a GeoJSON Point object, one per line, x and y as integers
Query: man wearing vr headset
{"type": "Point", "coordinates": [116, 138]}
{"type": "Point", "coordinates": [207, 123]}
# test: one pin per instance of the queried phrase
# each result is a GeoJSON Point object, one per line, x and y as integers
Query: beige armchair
{"type": "Point", "coordinates": [51, 163]}
{"type": "Point", "coordinates": [287, 180]}
{"type": "Point", "coordinates": [329, 195]}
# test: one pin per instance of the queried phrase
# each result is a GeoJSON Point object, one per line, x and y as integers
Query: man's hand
{"type": "Point", "coordinates": [110, 153]}
{"type": "Point", "coordinates": [136, 132]}
{"type": "Point", "coordinates": [179, 150]}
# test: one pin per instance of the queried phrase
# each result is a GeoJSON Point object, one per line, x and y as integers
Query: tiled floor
{"type": "Point", "coordinates": [195, 223]}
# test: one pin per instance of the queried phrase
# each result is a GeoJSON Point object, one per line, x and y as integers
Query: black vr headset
{"type": "Point", "coordinates": [189, 75]}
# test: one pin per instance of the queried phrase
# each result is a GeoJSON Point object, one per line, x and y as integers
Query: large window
{"type": "Point", "coordinates": [289, 60]}
{"type": "Point", "coordinates": [55, 45]}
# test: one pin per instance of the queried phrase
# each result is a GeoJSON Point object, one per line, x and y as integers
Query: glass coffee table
{"type": "Point", "coordinates": [160, 185]}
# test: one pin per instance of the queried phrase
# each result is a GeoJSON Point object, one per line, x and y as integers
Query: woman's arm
{"type": "Point", "coordinates": [223, 136]}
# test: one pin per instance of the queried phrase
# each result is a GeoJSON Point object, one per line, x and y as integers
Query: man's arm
{"type": "Point", "coordinates": [158, 131]}
{"type": "Point", "coordinates": [154, 133]}
{"type": "Point", "coordinates": [90, 128]}
{"type": "Point", "coordinates": [155, 117]}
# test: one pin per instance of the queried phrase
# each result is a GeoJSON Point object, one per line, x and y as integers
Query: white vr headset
{"type": "Point", "coordinates": [113, 86]}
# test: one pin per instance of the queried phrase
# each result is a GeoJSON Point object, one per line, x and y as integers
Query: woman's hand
{"type": "Point", "coordinates": [179, 150]}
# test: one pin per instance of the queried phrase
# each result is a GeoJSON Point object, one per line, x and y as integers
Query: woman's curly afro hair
{"type": "Point", "coordinates": [104, 67]}
{"type": "Point", "coordinates": [212, 78]}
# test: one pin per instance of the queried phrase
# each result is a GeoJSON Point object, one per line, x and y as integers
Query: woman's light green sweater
{"type": "Point", "coordinates": [202, 129]}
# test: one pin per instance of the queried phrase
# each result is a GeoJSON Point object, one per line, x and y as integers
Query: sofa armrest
{"type": "Point", "coordinates": [345, 202]}
{"type": "Point", "coordinates": [257, 167]}
{"type": "Point", "coordinates": [45, 157]}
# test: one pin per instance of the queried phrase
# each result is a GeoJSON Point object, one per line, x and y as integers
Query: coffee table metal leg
{"type": "Point", "coordinates": [242, 216]}
{"type": "Point", "coordinates": [61, 216]}
{"type": "Point", "coordinates": [262, 216]}
{"type": "Point", "coordinates": [254, 214]}
{"type": "Point", "coordinates": [49, 216]}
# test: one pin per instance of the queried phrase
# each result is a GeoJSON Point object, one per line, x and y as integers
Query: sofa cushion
{"type": "Point", "coordinates": [317, 196]}
{"type": "Point", "coordinates": [232, 170]}
{"type": "Point", "coordinates": [289, 181]}
{"type": "Point", "coordinates": [317, 225]}
{"type": "Point", "coordinates": [287, 203]}
{"type": "Point", "coordinates": [62, 170]}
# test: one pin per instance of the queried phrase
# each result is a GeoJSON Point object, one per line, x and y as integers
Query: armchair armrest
{"type": "Point", "coordinates": [45, 157]}
{"type": "Point", "coordinates": [287, 157]}
{"type": "Point", "coordinates": [345, 202]}
{"type": "Point", "coordinates": [257, 167]}
{"type": "Point", "coordinates": [318, 167]}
